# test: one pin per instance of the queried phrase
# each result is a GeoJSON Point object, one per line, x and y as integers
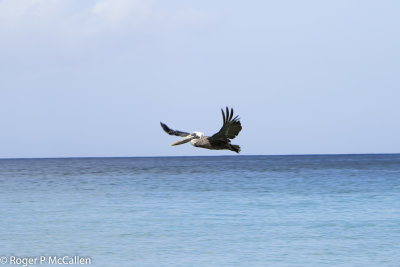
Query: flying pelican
{"type": "Point", "coordinates": [221, 140]}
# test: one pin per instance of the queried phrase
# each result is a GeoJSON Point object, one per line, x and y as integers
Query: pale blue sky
{"type": "Point", "coordinates": [95, 78]}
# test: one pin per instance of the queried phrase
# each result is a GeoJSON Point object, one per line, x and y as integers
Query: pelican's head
{"type": "Point", "coordinates": [197, 135]}
{"type": "Point", "coordinates": [193, 137]}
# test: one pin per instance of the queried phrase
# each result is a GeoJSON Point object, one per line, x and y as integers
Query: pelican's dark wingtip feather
{"type": "Point", "coordinates": [172, 132]}
{"type": "Point", "coordinates": [164, 126]}
{"type": "Point", "coordinates": [231, 126]}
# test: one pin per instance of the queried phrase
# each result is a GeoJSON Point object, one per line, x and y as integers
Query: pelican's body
{"type": "Point", "coordinates": [221, 140]}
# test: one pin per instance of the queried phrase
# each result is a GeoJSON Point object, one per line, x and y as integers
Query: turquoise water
{"type": "Point", "coordinates": [341, 210]}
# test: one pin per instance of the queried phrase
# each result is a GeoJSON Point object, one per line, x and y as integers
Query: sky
{"type": "Point", "coordinates": [94, 78]}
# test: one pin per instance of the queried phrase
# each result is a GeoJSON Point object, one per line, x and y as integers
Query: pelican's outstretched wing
{"type": "Point", "coordinates": [231, 127]}
{"type": "Point", "coordinates": [172, 132]}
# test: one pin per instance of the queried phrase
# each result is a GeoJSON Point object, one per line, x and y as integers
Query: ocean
{"type": "Point", "coordinates": [311, 210]}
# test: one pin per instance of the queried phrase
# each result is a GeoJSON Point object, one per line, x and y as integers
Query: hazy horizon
{"type": "Point", "coordinates": [234, 155]}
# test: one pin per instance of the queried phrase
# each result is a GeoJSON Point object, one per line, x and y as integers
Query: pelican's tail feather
{"type": "Point", "coordinates": [235, 148]}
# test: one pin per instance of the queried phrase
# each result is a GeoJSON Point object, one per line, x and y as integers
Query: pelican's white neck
{"type": "Point", "coordinates": [197, 136]}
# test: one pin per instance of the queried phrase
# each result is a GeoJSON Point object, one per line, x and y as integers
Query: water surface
{"type": "Point", "coordinates": [341, 210]}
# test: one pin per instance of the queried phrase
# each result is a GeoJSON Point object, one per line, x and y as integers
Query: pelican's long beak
{"type": "Point", "coordinates": [183, 140]}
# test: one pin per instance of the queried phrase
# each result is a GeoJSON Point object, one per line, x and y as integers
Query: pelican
{"type": "Point", "coordinates": [221, 140]}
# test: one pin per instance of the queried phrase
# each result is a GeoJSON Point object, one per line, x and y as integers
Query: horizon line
{"type": "Point", "coordinates": [268, 155]}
